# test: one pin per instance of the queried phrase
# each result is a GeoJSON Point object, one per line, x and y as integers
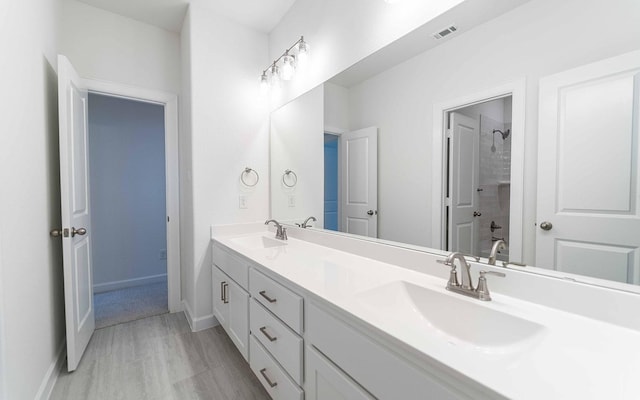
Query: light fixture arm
{"type": "Point", "coordinates": [286, 53]}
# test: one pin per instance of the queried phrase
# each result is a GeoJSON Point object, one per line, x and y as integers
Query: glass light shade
{"type": "Point", "coordinates": [288, 67]}
{"type": "Point", "coordinates": [303, 52]}
{"type": "Point", "coordinates": [264, 83]}
{"type": "Point", "coordinates": [275, 76]}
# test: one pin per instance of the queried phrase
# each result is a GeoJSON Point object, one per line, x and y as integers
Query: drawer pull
{"type": "Point", "coordinates": [222, 290]}
{"type": "Point", "coordinates": [263, 372]}
{"type": "Point", "coordinates": [226, 292]}
{"type": "Point", "coordinates": [264, 332]}
{"type": "Point", "coordinates": [269, 299]}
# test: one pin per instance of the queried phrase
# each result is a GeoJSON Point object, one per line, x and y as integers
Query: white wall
{"type": "Point", "coordinates": [107, 46]}
{"type": "Point", "coordinates": [343, 32]}
{"type": "Point", "coordinates": [31, 261]}
{"type": "Point", "coordinates": [541, 37]}
{"type": "Point", "coordinates": [336, 108]}
{"type": "Point", "coordinates": [297, 143]}
{"type": "Point", "coordinates": [229, 131]}
{"type": "Point", "coordinates": [128, 193]}
{"type": "Point", "coordinates": [187, 261]}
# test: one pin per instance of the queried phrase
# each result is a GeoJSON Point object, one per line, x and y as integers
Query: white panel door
{"type": "Point", "coordinates": [464, 166]}
{"type": "Point", "coordinates": [220, 294]}
{"type": "Point", "coordinates": [359, 176]}
{"type": "Point", "coordinates": [76, 218]}
{"type": "Point", "coordinates": [588, 220]}
{"type": "Point", "coordinates": [238, 322]}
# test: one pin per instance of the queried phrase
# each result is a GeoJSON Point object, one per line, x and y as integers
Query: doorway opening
{"type": "Point", "coordinates": [331, 182]}
{"type": "Point", "coordinates": [478, 177]}
{"type": "Point", "coordinates": [127, 184]}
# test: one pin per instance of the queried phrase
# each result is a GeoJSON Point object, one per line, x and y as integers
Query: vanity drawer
{"type": "Point", "coordinates": [232, 265]}
{"type": "Point", "coordinates": [273, 378]}
{"type": "Point", "coordinates": [281, 301]}
{"type": "Point", "coordinates": [283, 343]}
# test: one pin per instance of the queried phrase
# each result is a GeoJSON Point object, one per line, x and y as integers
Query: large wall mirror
{"type": "Point", "coordinates": [522, 128]}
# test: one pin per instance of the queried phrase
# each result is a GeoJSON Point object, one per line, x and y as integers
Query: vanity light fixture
{"type": "Point", "coordinates": [273, 74]}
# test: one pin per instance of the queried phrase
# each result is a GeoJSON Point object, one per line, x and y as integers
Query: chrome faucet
{"type": "Point", "coordinates": [281, 232]}
{"type": "Point", "coordinates": [305, 223]}
{"type": "Point", "coordinates": [466, 287]}
{"type": "Point", "coordinates": [497, 246]}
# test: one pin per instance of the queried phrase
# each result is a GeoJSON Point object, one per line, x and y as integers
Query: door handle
{"type": "Point", "coordinates": [263, 372]}
{"type": "Point", "coordinates": [477, 214]}
{"type": "Point", "coordinates": [79, 231]}
{"type": "Point", "coordinates": [225, 291]}
{"type": "Point", "coordinates": [55, 233]}
{"type": "Point", "coordinates": [264, 294]}
{"type": "Point", "coordinates": [546, 225]}
{"type": "Point", "coordinates": [372, 212]}
{"type": "Point", "coordinates": [265, 333]}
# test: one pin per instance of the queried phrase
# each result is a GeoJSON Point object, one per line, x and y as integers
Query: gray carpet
{"type": "Point", "coordinates": [124, 305]}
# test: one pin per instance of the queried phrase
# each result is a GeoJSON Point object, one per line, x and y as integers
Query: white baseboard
{"type": "Point", "coordinates": [51, 377]}
{"type": "Point", "coordinates": [105, 287]}
{"type": "Point", "coordinates": [199, 324]}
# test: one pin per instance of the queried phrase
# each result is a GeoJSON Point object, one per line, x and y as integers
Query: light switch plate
{"type": "Point", "coordinates": [292, 200]}
{"type": "Point", "coordinates": [242, 202]}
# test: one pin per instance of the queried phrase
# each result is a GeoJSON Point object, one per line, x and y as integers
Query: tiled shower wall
{"type": "Point", "coordinates": [495, 185]}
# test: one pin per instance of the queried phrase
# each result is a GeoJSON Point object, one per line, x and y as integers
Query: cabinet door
{"type": "Point", "coordinates": [220, 293]}
{"type": "Point", "coordinates": [326, 382]}
{"type": "Point", "coordinates": [238, 317]}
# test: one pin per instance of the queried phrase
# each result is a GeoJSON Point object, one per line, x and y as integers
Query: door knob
{"type": "Point", "coordinates": [79, 231]}
{"type": "Point", "coordinates": [546, 226]}
{"type": "Point", "coordinates": [55, 233]}
{"type": "Point", "coordinates": [371, 212]}
{"type": "Point", "coordinates": [477, 214]}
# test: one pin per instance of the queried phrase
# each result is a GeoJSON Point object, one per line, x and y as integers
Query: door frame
{"type": "Point", "coordinates": [170, 103]}
{"type": "Point", "coordinates": [517, 90]}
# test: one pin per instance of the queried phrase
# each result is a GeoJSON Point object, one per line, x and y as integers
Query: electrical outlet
{"type": "Point", "coordinates": [292, 200]}
{"type": "Point", "coordinates": [163, 254]}
{"type": "Point", "coordinates": [242, 202]}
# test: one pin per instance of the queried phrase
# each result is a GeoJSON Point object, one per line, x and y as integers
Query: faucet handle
{"type": "Point", "coordinates": [483, 289]}
{"type": "Point", "coordinates": [453, 274]}
{"type": "Point", "coordinates": [284, 233]}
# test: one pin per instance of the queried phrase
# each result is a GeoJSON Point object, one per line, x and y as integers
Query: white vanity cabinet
{"type": "Point", "coordinates": [325, 381]}
{"type": "Point", "coordinates": [301, 348]}
{"type": "Point", "coordinates": [230, 299]}
{"type": "Point", "coordinates": [276, 316]}
{"type": "Point", "coordinates": [383, 372]}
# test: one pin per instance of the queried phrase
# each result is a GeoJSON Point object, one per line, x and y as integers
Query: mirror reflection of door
{"type": "Point", "coordinates": [588, 215]}
{"type": "Point", "coordinates": [478, 177]}
{"type": "Point", "coordinates": [351, 182]}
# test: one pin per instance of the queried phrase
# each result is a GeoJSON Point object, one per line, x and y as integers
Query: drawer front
{"type": "Point", "coordinates": [234, 266]}
{"type": "Point", "coordinates": [281, 301]}
{"type": "Point", "coordinates": [384, 374]}
{"type": "Point", "coordinates": [281, 342]}
{"type": "Point", "coordinates": [273, 378]}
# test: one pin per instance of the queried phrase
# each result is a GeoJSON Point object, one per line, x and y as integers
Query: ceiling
{"type": "Point", "coordinates": [261, 15]}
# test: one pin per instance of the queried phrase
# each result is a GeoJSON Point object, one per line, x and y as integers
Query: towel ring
{"type": "Point", "coordinates": [289, 172]}
{"type": "Point", "coordinates": [247, 171]}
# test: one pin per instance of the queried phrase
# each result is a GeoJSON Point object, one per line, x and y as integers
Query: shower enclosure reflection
{"type": "Point", "coordinates": [478, 177]}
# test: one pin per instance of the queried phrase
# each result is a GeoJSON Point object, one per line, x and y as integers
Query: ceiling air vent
{"type": "Point", "coordinates": [445, 32]}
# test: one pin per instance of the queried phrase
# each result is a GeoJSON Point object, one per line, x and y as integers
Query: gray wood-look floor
{"type": "Point", "coordinates": [159, 358]}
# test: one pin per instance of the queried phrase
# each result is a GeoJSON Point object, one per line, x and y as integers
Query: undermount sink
{"type": "Point", "coordinates": [457, 318]}
{"type": "Point", "coordinates": [257, 242]}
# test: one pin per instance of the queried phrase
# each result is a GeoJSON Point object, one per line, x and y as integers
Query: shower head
{"type": "Point", "coordinates": [505, 135]}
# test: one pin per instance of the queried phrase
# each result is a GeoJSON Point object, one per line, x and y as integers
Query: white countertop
{"type": "Point", "coordinates": [572, 357]}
